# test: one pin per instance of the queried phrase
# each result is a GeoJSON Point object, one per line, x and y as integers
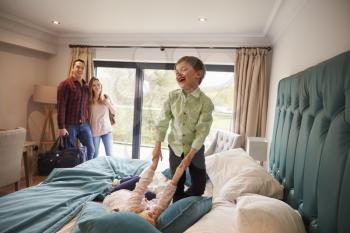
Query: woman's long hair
{"type": "Point", "coordinates": [92, 94]}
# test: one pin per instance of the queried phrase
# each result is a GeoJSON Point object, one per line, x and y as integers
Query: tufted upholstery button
{"type": "Point", "coordinates": [224, 140]}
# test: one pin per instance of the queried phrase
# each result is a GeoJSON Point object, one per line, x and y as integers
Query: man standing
{"type": "Point", "coordinates": [72, 108]}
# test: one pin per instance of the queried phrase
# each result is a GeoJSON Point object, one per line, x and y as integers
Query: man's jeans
{"type": "Point", "coordinates": [83, 133]}
{"type": "Point", "coordinates": [107, 140]}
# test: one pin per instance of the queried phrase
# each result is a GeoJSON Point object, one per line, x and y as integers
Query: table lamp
{"type": "Point", "coordinates": [257, 148]}
{"type": "Point", "coordinates": [46, 95]}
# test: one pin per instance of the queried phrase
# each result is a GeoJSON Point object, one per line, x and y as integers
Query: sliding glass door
{"type": "Point", "coordinates": [157, 83]}
{"type": "Point", "coordinates": [119, 85]}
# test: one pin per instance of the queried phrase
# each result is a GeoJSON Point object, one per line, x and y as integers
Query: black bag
{"type": "Point", "coordinates": [111, 115]}
{"type": "Point", "coordinates": [60, 157]}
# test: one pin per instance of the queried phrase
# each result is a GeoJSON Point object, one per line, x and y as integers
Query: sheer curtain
{"type": "Point", "coordinates": [250, 93]}
{"type": "Point", "coordinates": [86, 55]}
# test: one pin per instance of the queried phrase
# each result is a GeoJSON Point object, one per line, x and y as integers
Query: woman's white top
{"type": "Point", "coordinates": [99, 118]}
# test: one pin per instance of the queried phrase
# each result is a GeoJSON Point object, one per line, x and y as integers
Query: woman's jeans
{"type": "Point", "coordinates": [83, 133]}
{"type": "Point", "coordinates": [107, 140]}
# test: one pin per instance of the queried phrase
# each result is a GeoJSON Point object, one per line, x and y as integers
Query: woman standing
{"type": "Point", "coordinates": [100, 123]}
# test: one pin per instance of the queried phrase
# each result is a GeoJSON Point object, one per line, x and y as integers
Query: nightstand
{"type": "Point", "coordinates": [28, 154]}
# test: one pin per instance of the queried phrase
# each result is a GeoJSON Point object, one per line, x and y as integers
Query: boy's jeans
{"type": "Point", "coordinates": [197, 172]}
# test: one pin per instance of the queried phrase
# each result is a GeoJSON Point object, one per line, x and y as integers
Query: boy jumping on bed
{"type": "Point", "coordinates": [134, 201]}
{"type": "Point", "coordinates": [190, 113]}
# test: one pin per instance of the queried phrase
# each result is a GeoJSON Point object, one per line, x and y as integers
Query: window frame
{"type": "Point", "coordinates": [138, 95]}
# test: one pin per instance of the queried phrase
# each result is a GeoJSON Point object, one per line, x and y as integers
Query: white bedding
{"type": "Point", "coordinates": [232, 173]}
{"type": "Point", "coordinates": [251, 214]}
{"type": "Point", "coordinates": [218, 220]}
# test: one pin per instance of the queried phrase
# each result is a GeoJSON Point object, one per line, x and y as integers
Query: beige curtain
{"type": "Point", "coordinates": [86, 55]}
{"type": "Point", "coordinates": [250, 93]}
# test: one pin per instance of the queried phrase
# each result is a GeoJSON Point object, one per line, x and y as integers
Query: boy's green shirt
{"type": "Point", "coordinates": [191, 118]}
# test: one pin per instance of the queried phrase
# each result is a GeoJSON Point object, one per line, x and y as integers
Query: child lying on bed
{"type": "Point", "coordinates": [134, 201]}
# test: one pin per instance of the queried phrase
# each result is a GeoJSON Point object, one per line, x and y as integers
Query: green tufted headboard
{"type": "Point", "coordinates": [309, 152]}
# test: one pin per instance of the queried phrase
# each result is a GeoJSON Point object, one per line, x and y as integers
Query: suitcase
{"type": "Point", "coordinates": [60, 157]}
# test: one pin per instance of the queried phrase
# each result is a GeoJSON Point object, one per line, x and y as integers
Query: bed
{"type": "Point", "coordinates": [306, 187]}
{"type": "Point", "coordinates": [309, 156]}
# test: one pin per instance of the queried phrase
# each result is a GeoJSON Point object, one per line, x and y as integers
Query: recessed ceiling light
{"type": "Point", "coordinates": [202, 19]}
{"type": "Point", "coordinates": [55, 22]}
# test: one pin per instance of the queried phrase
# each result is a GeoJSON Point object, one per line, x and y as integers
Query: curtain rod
{"type": "Point", "coordinates": [162, 48]}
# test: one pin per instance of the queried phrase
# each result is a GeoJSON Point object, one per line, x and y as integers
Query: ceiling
{"type": "Point", "coordinates": [234, 17]}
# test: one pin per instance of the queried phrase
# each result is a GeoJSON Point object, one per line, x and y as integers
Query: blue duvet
{"type": "Point", "coordinates": [49, 206]}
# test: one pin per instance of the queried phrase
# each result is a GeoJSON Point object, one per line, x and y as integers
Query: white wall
{"type": "Point", "coordinates": [58, 65]}
{"type": "Point", "coordinates": [319, 31]}
{"type": "Point", "coordinates": [20, 69]}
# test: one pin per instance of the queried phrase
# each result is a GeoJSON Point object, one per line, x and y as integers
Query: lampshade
{"type": "Point", "coordinates": [257, 148]}
{"type": "Point", "coordinates": [45, 94]}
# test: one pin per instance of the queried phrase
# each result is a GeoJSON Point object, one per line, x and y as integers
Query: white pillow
{"type": "Point", "coordinates": [262, 214]}
{"type": "Point", "coordinates": [224, 165]}
{"type": "Point", "coordinates": [234, 172]}
{"type": "Point", "coordinates": [250, 180]}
